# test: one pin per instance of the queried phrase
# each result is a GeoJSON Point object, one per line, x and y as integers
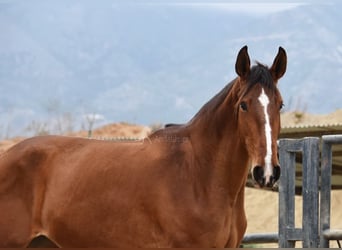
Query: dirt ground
{"type": "Point", "coordinates": [261, 206]}
{"type": "Point", "coordinates": [262, 212]}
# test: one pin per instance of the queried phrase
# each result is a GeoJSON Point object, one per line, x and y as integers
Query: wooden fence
{"type": "Point", "coordinates": [315, 228]}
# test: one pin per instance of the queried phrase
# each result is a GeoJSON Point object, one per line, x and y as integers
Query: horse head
{"type": "Point", "coordinates": [258, 105]}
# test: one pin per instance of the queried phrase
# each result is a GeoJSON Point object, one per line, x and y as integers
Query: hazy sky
{"type": "Point", "coordinates": [246, 7]}
{"type": "Point", "coordinates": [157, 60]}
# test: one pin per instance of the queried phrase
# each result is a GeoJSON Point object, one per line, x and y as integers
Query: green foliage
{"type": "Point", "coordinates": [299, 116]}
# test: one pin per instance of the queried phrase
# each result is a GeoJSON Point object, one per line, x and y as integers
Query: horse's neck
{"type": "Point", "coordinates": [217, 146]}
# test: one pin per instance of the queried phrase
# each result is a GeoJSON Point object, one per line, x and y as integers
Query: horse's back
{"type": "Point", "coordinates": [31, 160]}
{"type": "Point", "coordinates": [36, 176]}
{"type": "Point", "coordinates": [63, 187]}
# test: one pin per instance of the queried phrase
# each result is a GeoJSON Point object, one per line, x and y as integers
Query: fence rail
{"type": "Point", "coordinates": [260, 238]}
{"type": "Point", "coordinates": [315, 231]}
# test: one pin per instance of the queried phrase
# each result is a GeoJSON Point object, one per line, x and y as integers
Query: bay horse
{"type": "Point", "coordinates": [182, 186]}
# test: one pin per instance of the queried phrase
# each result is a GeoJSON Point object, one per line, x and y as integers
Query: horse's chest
{"type": "Point", "coordinates": [230, 226]}
{"type": "Point", "coordinates": [213, 229]}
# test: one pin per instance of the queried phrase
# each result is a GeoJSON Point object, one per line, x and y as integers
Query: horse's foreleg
{"type": "Point", "coordinates": [239, 222]}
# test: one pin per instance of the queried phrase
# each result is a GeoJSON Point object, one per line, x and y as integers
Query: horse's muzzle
{"type": "Point", "coordinates": [262, 180]}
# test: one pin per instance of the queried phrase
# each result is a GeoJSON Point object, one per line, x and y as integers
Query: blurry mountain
{"type": "Point", "coordinates": [154, 62]}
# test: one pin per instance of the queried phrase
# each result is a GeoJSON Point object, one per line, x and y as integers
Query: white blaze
{"type": "Point", "coordinates": [263, 99]}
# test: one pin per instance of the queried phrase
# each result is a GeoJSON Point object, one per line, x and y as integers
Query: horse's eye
{"type": "Point", "coordinates": [243, 106]}
{"type": "Point", "coordinates": [282, 105]}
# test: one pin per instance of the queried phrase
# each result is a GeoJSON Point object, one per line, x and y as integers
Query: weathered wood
{"type": "Point", "coordinates": [310, 192]}
{"type": "Point", "coordinates": [259, 238]}
{"type": "Point", "coordinates": [294, 234]}
{"type": "Point", "coordinates": [332, 139]}
{"type": "Point", "coordinates": [325, 192]}
{"type": "Point", "coordinates": [325, 201]}
{"type": "Point", "coordinates": [308, 234]}
{"type": "Point", "coordinates": [334, 234]}
{"type": "Point", "coordinates": [315, 231]}
{"type": "Point", "coordinates": [287, 149]}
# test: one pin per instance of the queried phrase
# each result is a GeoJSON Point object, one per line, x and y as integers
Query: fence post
{"type": "Point", "coordinates": [308, 234]}
{"type": "Point", "coordinates": [310, 192]}
{"type": "Point", "coordinates": [326, 171]}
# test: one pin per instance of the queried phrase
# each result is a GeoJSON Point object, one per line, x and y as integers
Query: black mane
{"type": "Point", "coordinates": [260, 74]}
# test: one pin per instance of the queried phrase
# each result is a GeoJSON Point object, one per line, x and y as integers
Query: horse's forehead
{"type": "Point", "coordinates": [270, 93]}
{"type": "Point", "coordinates": [253, 91]}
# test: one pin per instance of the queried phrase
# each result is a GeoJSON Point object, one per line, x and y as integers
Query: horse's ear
{"type": "Point", "coordinates": [279, 65]}
{"type": "Point", "coordinates": [243, 64]}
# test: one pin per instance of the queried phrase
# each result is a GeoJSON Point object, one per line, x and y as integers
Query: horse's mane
{"type": "Point", "coordinates": [259, 74]}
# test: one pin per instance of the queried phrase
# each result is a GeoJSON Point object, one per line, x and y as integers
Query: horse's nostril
{"type": "Point", "coordinates": [276, 173]}
{"type": "Point", "coordinates": [258, 175]}
{"type": "Point", "coordinates": [258, 172]}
